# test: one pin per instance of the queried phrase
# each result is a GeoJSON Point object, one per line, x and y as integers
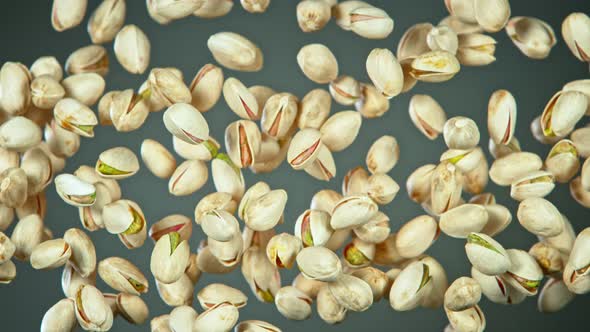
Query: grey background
{"type": "Point", "coordinates": [26, 34]}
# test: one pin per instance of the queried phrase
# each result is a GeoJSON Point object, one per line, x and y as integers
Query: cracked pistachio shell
{"type": "Point", "coordinates": [47, 65]}
{"type": "Point", "coordinates": [15, 81]}
{"type": "Point", "coordinates": [88, 59]}
{"type": "Point", "coordinates": [382, 188]}
{"type": "Point", "coordinates": [91, 216]}
{"type": "Point", "coordinates": [67, 14]}
{"type": "Point", "coordinates": [265, 212]}
{"type": "Point", "coordinates": [128, 111]}
{"type": "Point", "coordinates": [340, 130]}
{"type": "Point", "coordinates": [219, 225]}
{"type": "Point", "coordinates": [462, 294]}
{"type": "Point", "coordinates": [534, 184]}
{"type": "Point", "coordinates": [106, 20]}
{"type": "Point", "coordinates": [329, 309]}
{"type": "Point", "coordinates": [83, 257]}
{"type": "Point", "coordinates": [563, 161]}
{"type": "Point", "coordinates": [345, 90]}
{"type": "Point", "coordinates": [309, 287]}
{"type": "Point", "coordinates": [416, 236]}
{"type": "Point", "coordinates": [540, 217]}
{"type": "Point", "coordinates": [240, 100]}
{"type": "Point", "coordinates": [157, 158]}
{"type": "Point", "coordinates": [351, 292]}
{"type": "Point", "coordinates": [46, 92]}
{"type": "Point", "coordinates": [206, 87]}
{"type": "Point", "coordinates": [554, 296]}
{"type": "Point", "coordinates": [282, 249]}
{"type": "Point", "coordinates": [123, 217]}
{"type": "Point", "coordinates": [341, 12]}
{"type": "Point", "coordinates": [313, 228]}
{"type": "Point", "coordinates": [538, 134]}
{"type": "Point", "coordinates": [188, 177]}
{"type": "Point", "coordinates": [476, 49]}
{"type": "Point", "coordinates": [581, 86]}
{"type": "Point", "coordinates": [255, 326]}
{"type": "Point", "coordinates": [121, 275]}
{"type": "Point", "coordinates": [92, 310]}
{"type": "Point", "coordinates": [375, 231]}
{"type": "Point", "coordinates": [467, 161]}
{"type": "Point", "coordinates": [318, 63]}
{"type": "Point", "coordinates": [575, 30]}
{"type": "Point", "coordinates": [7, 248]}
{"type": "Point", "coordinates": [435, 66]}
{"type": "Point", "coordinates": [227, 177]}
{"type": "Point", "coordinates": [355, 182]}
{"type": "Point", "coordinates": [173, 223]}
{"type": "Point", "coordinates": [486, 254]}
{"type": "Point", "coordinates": [169, 258]}
{"type": "Point", "coordinates": [353, 211]}
{"type": "Point", "coordinates": [319, 263]}
{"type": "Point", "coordinates": [445, 188]}
{"type": "Point", "coordinates": [215, 201]}
{"type": "Point", "coordinates": [19, 134]}
{"type": "Point", "coordinates": [371, 22]}
{"type": "Point", "coordinates": [214, 8]}
{"type": "Point", "coordinates": [13, 187]}
{"type": "Point", "coordinates": [242, 141]}
{"type": "Point", "coordinates": [76, 117]}
{"type": "Point", "coordinates": [170, 10]}
{"type": "Point", "coordinates": [464, 219]}
{"type": "Point", "coordinates": [461, 133]}
{"type": "Point", "coordinates": [581, 139]}
{"type": "Point", "coordinates": [235, 52]}
{"type": "Point", "coordinates": [385, 72]}
{"type": "Point", "coordinates": [504, 171]}
{"type": "Point", "coordinates": [440, 283]}
{"type": "Point", "coordinates": [382, 155]}
{"type": "Point", "coordinates": [358, 254]}
{"type": "Point", "coordinates": [177, 293]}
{"type": "Point", "coordinates": [471, 319]}
{"type": "Point", "coordinates": [117, 163]}
{"type": "Point", "coordinates": [492, 15]}
{"type": "Point", "coordinates": [279, 114]}
{"type": "Point", "coordinates": [325, 200]}
{"type": "Point", "coordinates": [579, 193]}
{"type": "Point", "coordinates": [533, 37]}
{"type": "Point", "coordinates": [550, 259]}
{"type": "Point", "coordinates": [132, 308]}
{"type": "Point", "coordinates": [214, 294]}
{"type": "Point", "coordinates": [204, 152]}
{"type": "Point", "coordinates": [562, 113]}
{"type": "Point", "coordinates": [499, 150]}
{"type": "Point", "coordinates": [463, 10]}
{"type": "Point", "coordinates": [304, 148]}
{"type": "Point", "coordinates": [411, 287]}
{"type": "Point", "coordinates": [253, 193]}
{"type": "Point", "coordinates": [576, 271]}
{"type": "Point", "coordinates": [50, 254]}
{"type": "Point", "coordinates": [104, 108]}
{"type": "Point", "coordinates": [442, 38]}
{"type": "Point", "coordinates": [74, 191]}
{"type": "Point", "coordinates": [186, 123]}
{"type": "Point", "coordinates": [414, 41]}
{"type": "Point", "coordinates": [427, 115]}
{"type": "Point", "coordinates": [418, 184]}
{"type": "Point", "coordinates": [132, 49]}
{"type": "Point", "coordinates": [502, 117]}
{"type": "Point", "coordinates": [372, 104]}
{"type": "Point", "coordinates": [314, 109]}
{"type": "Point", "coordinates": [376, 279]}
{"type": "Point", "coordinates": [219, 318]}
{"type": "Point", "coordinates": [262, 277]}
{"type": "Point", "coordinates": [524, 275]}
{"type": "Point", "coordinates": [293, 303]}
{"type": "Point", "coordinates": [499, 217]}
{"type": "Point", "coordinates": [60, 317]}
{"type": "Point", "coordinates": [312, 15]}
{"type": "Point", "coordinates": [71, 280]}
{"type": "Point", "coordinates": [87, 88]}
{"type": "Point", "coordinates": [164, 88]}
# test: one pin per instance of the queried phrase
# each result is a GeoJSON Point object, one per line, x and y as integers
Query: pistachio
{"type": "Point", "coordinates": [188, 177]}
{"type": "Point", "coordinates": [581, 86]}
{"type": "Point", "coordinates": [177, 293]}
{"type": "Point", "coordinates": [46, 92]}
{"type": "Point", "coordinates": [157, 158]}
{"type": "Point", "coordinates": [262, 277]}
{"type": "Point", "coordinates": [382, 188]}
{"type": "Point", "coordinates": [496, 289]}
{"type": "Point", "coordinates": [50, 254]}
{"type": "Point", "coordinates": [71, 280]}
{"type": "Point", "coordinates": [382, 155]}
{"type": "Point", "coordinates": [240, 100]}
{"type": "Point", "coordinates": [579, 193]}
{"type": "Point", "coordinates": [170, 10]}
{"type": "Point", "coordinates": [219, 225]}
{"type": "Point", "coordinates": [563, 161]}
{"type": "Point", "coordinates": [319, 263]}
{"type": "Point", "coordinates": [352, 293]}
{"type": "Point", "coordinates": [122, 275]}
{"type": "Point", "coordinates": [464, 219]}
{"type": "Point", "coordinates": [386, 253]}
{"type": "Point", "coordinates": [492, 16]}
{"type": "Point", "coordinates": [293, 303]}
{"type": "Point", "coordinates": [91, 216]}
{"type": "Point", "coordinates": [539, 135]}
{"type": "Point", "coordinates": [172, 223]}
{"type": "Point", "coordinates": [15, 81]}
{"type": "Point", "coordinates": [219, 318]}
{"type": "Point", "coordinates": [375, 231]}
{"type": "Point", "coordinates": [19, 134]}
{"type": "Point", "coordinates": [235, 52]}
{"type": "Point", "coordinates": [227, 177]}
{"type": "Point", "coordinates": [117, 163]}
{"type": "Point", "coordinates": [345, 90]}
{"type": "Point", "coordinates": [242, 141]}
{"type": "Point", "coordinates": [76, 117]}
{"type": "Point", "coordinates": [435, 66]}
{"type": "Point", "coordinates": [562, 113]}
{"type": "Point", "coordinates": [132, 308]}
{"type": "Point", "coordinates": [92, 311]}
{"type": "Point", "coordinates": [418, 183]}
{"type": "Point", "coordinates": [7, 248]}
{"type": "Point", "coordinates": [476, 49]}
{"type": "Point", "coordinates": [214, 201]}
{"type": "Point", "coordinates": [372, 103]}
{"type": "Point", "coordinates": [213, 8]}
{"type": "Point", "coordinates": [104, 108]}
{"type": "Point", "coordinates": [88, 59]}
{"type": "Point", "coordinates": [282, 249]}
{"type": "Point", "coordinates": [325, 200]}
{"type": "Point", "coordinates": [214, 294]}
{"type": "Point", "coordinates": [60, 317]}
{"type": "Point", "coordinates": [265, 212]}
{"type": "Point", "coordinates": [125, 218]}
{"type": "Point", "coordinates": [313, 15]}
{"type": "Point", "coordinates": [576, 33]}
{"type": "Point", "coordinates": [533, 37]}
{"type": "Point", "coordinates": [501, 117]}
{"type": "Point", "coordinates": [385, 72]}
{"type": "Point", "coordinates": [471, 319]}
{"type": "Point", "coordinates": [498, 150]}
{"type": "Point", "coordinates": [371, 22]}
{"type": "Point", "coordinates": [506, 170]}
{"type": "Point", "coordinates": [427, 115]}
{"type": "Point", "coordinates": [227, 253]}
{"type": "Point", "coordinates": [255, 326]}
{"type": "Point", "coordinates": [192, 270]}
{"type": "Point", "coordinates": [465, 160]}
{"type": "Point", "coordinates": [47, 65]}
{"type": "Point", "coordinates": [463, 294]}
{"type": "Point", "coordinates": [554, 296]}
{"type": "Point", "coordinates": [565, 240]}
{"type": "Point", "coordinates": [416, 236]}
{"type": "Point", "coordinates": [525, 275]}
{"type": "Point", "coordinates": [309, 287]}
{"type": "Point", "coordinates": [414, 41]}
{"type": "Point", "coordinates": [164, 88]}
{"type": "Point", "coordinates": [83, 257]}
{"type": "Point", "coordinates": [304, 148]}
{"type": "Point", "coordinates": [442, 38]}
{"type": "Point", "coordinates": [37, 167]}
{"type": "Point", "coordinates": [461, 133]}
{"type": "Point", "coordinates": [67, 14]}
{"type": "Point", "coordinates": [75, 191]}
{"type": "Point", "coordinates": [132, 49]}
{"type": "Point", "coordinates": [581, 139]}
{"type": "Point", "coordinates": [106, 20]}
{"type": "Point", "coordinates": [435, 299]}
{"type": "Point", "coordinates": [272, 153]}
{"type": "Point", "coordinates": [318, 63]}
{"type": "Point", "coordinates": [445, 188]}
{"type": "Point", "coordinates": [128, 111]}
{"type": "Point", "coordinates": [353, 211]}
{"type": "Point", "coordinates": [340, 130]}
{"type": "Point", "coordinates": [278, 115]}
{"type": "Point", "coordinates": [549, 259]}
{"type": "Point", "coordinates": [261, 93]}
{"type": "Point", "coordinates": [411, 286]}
{"type": "Point", "coordinates": [314, 109]}
{"type": "Point", "coordinates": [13, 187]}
{"type": "Point", "coordinates": [87, 88]}
{"type": "Point", "coordinates": [358, 254]}
{"type": "Point", "coordinates": [540, 217]}
{"type": "Point", "coordinates": [463, 10]}
{"type": "Point", "coordinates": [169, 258]}
{"type": "Point", "coordinates": [534, 184]}
{"type": "Point", "coordinates": [255, 6]}
{"type": "Point", "coordinates": [342, 10]}
{"type": "Point", "coordinates": [206, 87]}
{"type": "Point", "coordinates": [486, 255]}
{"type": "Point", "coordinates": [7, 272]}
{"type": "Point", "coordinates": [204, 152]}
{"type": "Point", "coordinates": [313, 228]}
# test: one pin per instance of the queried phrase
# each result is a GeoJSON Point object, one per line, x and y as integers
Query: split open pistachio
{"type": "Point", "coordinates": [122, 275]}
{"type": "Point", "coordinates": [61, 142]}
{"type": "Point", "coordinates": [88, 59]}
{"type": "Point", "coordinates": [304, 148]}
{"type": "Point", "coordinates": [117, 163]}
{"type": "Point", "coordinates": [219, 225]}
{"type": "Point", "coordinates": [411, 287]}
{"type": "Point", "coordinates": [214, 294]}
{"type": "Point", "coordinates": [60, 317]}
{"type": "Point", "coordinates": [186, 123]}
{"type": "Point", "coordinates": [242, 141]}
{"type": "Point", "coordinates": [562, 113]}
{"type": "Point", "coordinates": [576, 33]}
{"type": "Point", "coordinates": [445, 187]}
{"type": "Point", "coordinates": [293, 303]}
{"type": "Point", "coordinates": [476, 49]}
{"type": "Point", "coordinates": [282, 249]}
{"type": "Point", "coordinates": [533, 37]}
{"type": "Point", "coordinates": [534, 184]}
{"type": "Point", "coordinates": [577, 271]}
{"type": "Point", "coordinates": [50, 254]}
{"type": "Point", "coordinates": [214, 201]}
{"type": "Point", "coordinates": [345, 90]}
{"type": "Point", "coordinates": [188, 177]}
{"type": "Point", "coordinates": [462, 9]}
{"type": "Point", "coordinates": [550, 259]}
{"type": "Point", "coordinates": [524, 274]}
{"type": "Point", "coordinates": [486, 254]}
{"type": "Point", "coordinates": [563, 161]}
{"type": "Point", "coordinates": [540, 217]}
{"type": "Point", "coordinates": [83, 257]}
{"type": "Point", "coordinates": [262, 277]}
{"type": "Point", "coordinates": [358, 253]}
{"type": "Point", "coordinates": [92, 311]}
{"type": "Point", "coordinates": [371, 22]}
{"type": "Point", "coordinates": [414, 41]}
{"type": "Point", "coordinates": [496, 289]}
{"type": "Point", "coordinates": [313, 228]}
{"type": "Point", "coordinates": [15, 81]}
{"type": "Point", "coordinates": [125, 218]}
{"type": "Point", "coordinates": [319, 263]}
{"type": "Point", "coordinates": [128, 110]}
{"type": "Point", "coordinates": [76, 117]}
{"type": "Point", "coordinates": [385, 72]}
{"type": "Point", "coordinates": [499, 150]}
{"type": "Point", "coordinates": [13, 187]}
{"type": "Point", "coordinates": [506, 170]}
{"type": "Point", "coordinates": [278, 115]}
{"type": "Point", "coordinates": [471, 319]}
{"type": "Point", "coordinates": [71, 280]}
{"type": "Point", "coordinates": [177, 293]}
{"type": "Point", "coordinates": [435, 66]}
{"type": "Point", "coordinates": [235, 52]}
{"type": "Point", "coordinates": [169, 258]}
{"type": "Point", "coordinates": [341, 12]}
{"type": "Point", "coordinates": [75, 191]}
{"type": "Point", "coordinates": [106, 20]}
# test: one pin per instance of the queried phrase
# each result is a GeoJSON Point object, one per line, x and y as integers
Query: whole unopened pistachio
{"type": "Point", "coordinates": [106, 20]}
{"type": "Point", "coordinates": [445, 187]}
{"type": "Point", "coordinates": [313, 15]}
{"type": "Point", "coordinates": [8, 159]}
{"type": "Point", "coordinates": [464, 219]}
{"type": "Point", "coordinates": [66, 14]}
{"type": "Point", "coordinates": [353, 211]}
{"type": "Point", "coordinates": [214, 8]}
{"type": "Point", "coordinates": [83, 257]}
{"type": "Point", "coordinates": [476, 49]}
{"type": "Point", "coordinates": [319, 263]}
{"type": "Point", "coordinates": [576, 33]}
{"type": "Point", "coordinates": [15, 82]}
{"type": "Point", "coordinates": [506, 170]}
{"type": "Point", "coordinates": [371, 22]}
{"type": "Point", "coordinates": [318, 63]}
{"type": "Point", "coordinates": [47, 65]}
{"type": "Point", "coordinates": [88, 59]}
{"type": "Point", "coordinates": [358, 254]}
{"type": "Point", "coordinates": [416, 236]}
{"type": "Point", "coordinates": [132, 49]}
{"type": "Point", "coordinates": [342, 10]}
{"type": "Point", "coordinates": [282, 249]}
{"type": "Point", "coordinates": [442, 38]}
{"type": "Point", "coordinates": [293, 303]}
{"type": "Point", "coordinates": [206, 87]}
{"type": "Point", "coordinates": [76, 117]}
{"type": "Point", "coordinates": [219, 225]}
{"type": "Point", "coordinates": [533, 37]}
{"type": "Point", "coordinates": [351, 292]}
{"type": "Point", "coordinates": [255, 326]}
{"type": "Point", "coordinates": [214, 294]}
{"type": "Point", "coordinates": [382, 155]}
{"type": "Point", "coordinates": [19, 134]}
{"type": "Point", "coordinates": [345, 90]}
{"type": "Point", "coordinates": [92, 311]}
{"type": "Point", "coordinates": [492, 15]}
{"type": "Point", "coordinates": [314, 109]}
{"type": "Point", "coordinates": [235, 52]}
{"type": "Point", "coordinates": [340, 130]}
{"type": "Point", "coordinates": [279, 114]}
{"type": "Point", "coordinates": [550, 259]}
{"type": "Point", "coordinates": [581, 139]}
{"type": "Point", "coordinates": [435, 66]}
{"type": "Point", "coordinates": [60, 317]}
{"type": "Point", "coordinates": [471, 319]}
{"type": "Point", "coordinates": [534, 184]}
{"type": "Point", "coordinates": [410, 287]}
{"type": "Point", "coordinates": [37, 167]}
{"type": "Point", "coordinates": [563, 161]}
{"type": "Point", "coordinates": [313, 228]}
{"type": "Point", "coordinates": [87, 88]}
{"type": "Point", "coordinates": [463, 293]}
{"type": "Point", "coordinates": [75, 191]}
{"type": "Point", "coordinates": [262, 277]}
{"type": "Point", "coordinates": [264, 212]}
{"type": "Point", "coordinates": [540, 217]}
{"type": "Point", "coordinates": [524, 274]}
{"type": "Point", "coordinates": [46, 92]}
{"type": "Point", "coordinates": [565, 240]}
{"type": "Point", "coordinates": [157, 158]}
{"type": "Point", "coordinates": [554, 296]}
{"type": "Point", "coordinates": [117, 163]}
{"type": "Point", "coordinates": [169, 258]}
{"type": "Point", "coordinates": [414, 41]}
{"type": "Point", "coordinates": [562, 113]}
{"type": "Point", "coordinates": [373, 103]}
{"type": "Point", "coordinates": [462, 9]}
{"type": "Point", "coordinates": [50, 254]}
{"type": "Point", "coordinates": [122, 275]}
{"type": "Point", "coordinates": [418, 183]}
{"type": "Point", "coordinates": [486, 254]}
{"type": "Point", "coordinates": [169, 10]}
{"type": "Point", "coordinates": [13, 187]}
{"type": "Point", "coordinates": [385, 72]}
{"type": "Point", "coordinates": [177, 293]}
{"type": "Point", "coordinates": [255, 6]}
{"type": "Point", "coordinates": [227, 177]}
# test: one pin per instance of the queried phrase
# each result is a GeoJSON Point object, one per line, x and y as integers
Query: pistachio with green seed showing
{"type": "Point", "coordinates": [534, 184]}
{"type": "Point", "coordinates": [524, 274]}
{"type": "Point", "coordinates": [117, 163]}
{"type": "Point", "coordinates": [313, 228]}
{"type": "Point", "coordinates": [169, 258]}
{"type": "Point", "coordinates": [563, 161]}
{"type": "Point", "coordinates": [214, 294]}
{"type": "Point", "coordinates": [76, 117]}
{"type": "Point", "coordinates": [75, 191]}
{"type": "Point", "coordinates": [411, 286]}
{"type": "Point", "coordinates": [121, 275]}
{"type": "Point", "coordinates": [282, 249]}
{"type": "Point", "coordinates": [88, 59]}
{"type": "Point", "coordinates": [50, 254]}
{"type": "Point", "coordinates": [358, 254]}
{"type": "Point", "coordinates": [486, 254]}
{"type": "Point", "coordinates": [562, 113]}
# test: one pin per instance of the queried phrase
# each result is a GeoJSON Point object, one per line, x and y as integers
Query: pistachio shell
{"type": "Point", "coordinates": [76, 117]}
{"type": "Point", "coordinates": [562, 113]}
{"type": "Point", "coordinates": [312, 15]}
{"type": "Point", "coordinates": [581, 139]}
{"type": "Point", "coordinates": [177, 293]}
{"type": "Point", "coordinates": [262, 277]}
{"type": "Point", "coordinates": [227, 178]}
{"type": "Point", "coordinates": [132, 49]}
{"type": "Point", "coordinates": [411, 286]}
{"type": "Point", "coordinates": [493, 15]}
{"type": "Point", "coordinates": [216, 293]}
{"type": "Point", "coordinates": [533, 37]}
{"type": "Point", "coordinates": [117, 163]}
{"type": "Point", "coordinates": [486, 254]}
{"type": "Point", "coordinates": [525, 275]}
{"type": "Point", "coordinates": [293, 303]}
{"type": "Point", "coordinates": [60, 317]}
{"type": "Point", "coordinates": [563, 161]}
{"type": "Point", "coordinates": [172, 223]}
{"type": "Point", "coordinates": [19, 134]}
{"type": "Point", "coordinates": [75, 191]}
{"type": "Point", "coordinates": [13, 187]}
{"type": "Point", "coordinates": [414, 41]}
{"type": "Point", "coordinates": [304, 148]}
{"type": "Point", "coordinates": [435, 66]}
{"type": "Point", "coordinates": [463, 293]}
{"type": "Point", "coordinates": [206, 87]}
{"type": "Point", "coordinates": [240, 100]}
{"type": "Point", "coordinates": [416, 236]}
{"type": "Point", "coordinates": [340, 130]}
{"type": "Point", "coordinates": [122, 275]}
{"type": "Point", "coordinates": [242, 141]}
{"type": "Point", "coordinates": [91, 216]}
{"type": "Point", "coordinates": [534, 184]}
{"type": "Point", "coordinates": [92, 311]}
{"type": "Point", "coordinates": [464, 219]}
{"type": "Point", "coordinates": [50, 254]}
{"type": "Point", "coordinates": [499, 150]}
{"type": "Point", "coordinates": [540, 217]}
{"type": "Point", "coordinates": [71, 280]}
{"type": "Point", "coordinates": [186, 123]}
{"type": "Point", "coordinates": [219, 318]}
{"type": "Point", "coordinates": [462, 10]}
{"type": "Point", "coordinates": [445, 188]}
{"type": "Point", "coordinates": [235, 52]}
{"type": "Point", "coordinates": [47, 65]}
{"type": "Point", "coordinates": [278, 115]}
{"type": "Point", "coordinates": [318, 63]}
{"type": "Point", "coordinates": [442, 38]}
{"type": "Point", "coordinates": [504, 171]}
{"type": "Point", "coordinates": [169, 258]}
{"type": "Point", "coordinates": [313, 228]}
{"type": "Point", "coordinates": [264, 212]}
{"type": "Point", "coordinates": [188, 177]}
{"type": "Point", "coordinates": [427, 115]}
{"type": "Point", "coordinates": [189, 151]}
{"type": "Point", "coordinates": [476, 49]}
{"type": "Point", "coordinates": [418, 183]}
{"type": "Point", "coordinates": [157, 158]}
{"type": "Point", "coordinates": [554, 296]}
{"type": "Point", "coordinates": [385, 72]}
{"type": "Point", "coordinates": [371, 22]}
{"type": "Point", "coordinates": [372, 103]}
{"type": "Point", "coordinates": [132, 308]}
{"type": "Point", "coordinates": [461, 133]}
{"type": "Point", "coordinates": [256, 326]}
{"type": "Point", "coordinates": [471, 319]}
{"type": "Point", "coordinates": [309, 287]}
{"type": "Point", "coordinates": [46, 92]}
{"type": "Point", "coordinates": [319, 263]}
{"type": "Point", "coordinates": [219, 225]}
{"type": "Point", "coordinates": [66, 14]}
{"type": "Point", "coordinates": [345, 90]}
{"type": "Point", "coordinates": [353, 211]}
{"type": "Point", "coordinates": [282, 250]}
{"type": "Point", "coordinates": [575, 30]}
{"type": "Point", "coordinates": [106, 20]}
{"type": "Point", "coordinates": [352, 293]}
{"type": "Point", "coordinates": [88, 59]}
{"type": "Point", "coordinates": [212, 9]}
{"type": "Point", "coordinates": [549, 259]}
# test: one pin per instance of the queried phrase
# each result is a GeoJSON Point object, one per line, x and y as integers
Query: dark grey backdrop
{"type": "Point", "coordinates": [26, 34]}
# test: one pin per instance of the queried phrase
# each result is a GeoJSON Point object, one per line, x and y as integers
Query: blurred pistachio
{"type": "Point", "coordinates": [345, 90]}
{"type": "Point", "coordinates": [214, 201]}
{"type": "Point", "coordinates": [476, 49]}
{"type": "Point", "coordinates": [88, 59]}
{"type": "Point", "coordinates": [132, 308]}
{"type": "Point", "coordinates": [255, 326]}
{"type": "Point", "coordinates": [581, 139]}
{"type": "Point", "coordinates": [539, 135]}
{"type": "Point", "coordinates": [76, 117]}
{"type": "Point", "coordinates": [309, 287]}
{"type": "Point", "coordinates": [314, 109]}
{"type": "Point", "coordinates": [235, 52]}
{"type": "Point", "coordinates": [341, 12]}
{"type": "Point", "coordinates": [445, 187]}
{"type": "Point", "coordinates": [382, 188]}
{"type": "Point", "coordinates": [352, 293]}
{"type": "Point", "coordinates": [15, 81]}
{"type": "Point", "coordinates": [550, 259]}
{"type": "Point", "coordinates": [533, 37]}
{"type": "Point", "coordinates": [83, 257]}
{"type": "Point", "coordinates": [418, 183]}
{"type": "Point", "coordinates": [411, 286]}
{"type": "Point", "coordinates": [414, 41]}
{"type": "Point", "coordinates": [319, 263]}
{"type": "Point", "coordinates": [562, 113]}
{"type": "Point", "coordinates": [442, 38]}
{"type": "Point", "coordinates": [13, 188]}
{"type": "Point", "coordinates": [313, 15]}
{"type": "Point", "coordinates": [318, 63]}
{"type": "Point", "coordinates": [50, 254]}
{"type": "Point", "coordinates": [554, 296]}
{"type": "Point", "coordinates": [375, 231]}
{"type": "Point", "coordinates": [325, 200]}
{"type": "Point", "coordinates": [46, 92]}
{"type": "Point", "coordinates": [534, 184]}
{"type": "Point", "coordinates": [463, 10]}
{"type": "Point", "coordinates": [214, 8]}
{"type": "Point", "coordinates": [576, 274]}
{"type": "Point", "coordinates": [492, 15]}
{"type": "Point", "coordinates": [416, 236]}
{"type": "Point", "coordinates": [382, 155]}
{"type": "Point", "coordinates": [386, 253]}
{"type": "Point", "coordinates": [385, 72]}
{"type": "Point", "coordinates": [47, 65]}
{"type": "Point", "coordinates": [427, 115]}
{"type": "Point", "coordinates": [329, 309]}
{"type": "Point", "coordinates": [164, 88]}
{"type": "Point", "coordinates": [19, 134]}
{"type": "Point", "coordinates": [60, 317]}
{"type": "Point", "coordinates": [540, 217]}
{"type": "Point", "coordinates": [583, 86]}
{"type": "Point", "coordinates": [293, 303]}
{"type": "Point", "coordinates": [67, 14]}
{"type": "Point", "coordinates": [169, 258]}
{"type": "Point", "coordinates": [525, 275]}
{"type": "Point", "coordinates": [501, 116]}
{"type": "Point", "coordinates": [340, 130]}
{"type": "Point", "coordinates": [219, 225]}
{"type": "Point", "coordinates": [282, 250]}
{"type": "Point", "coordinates": [373, 103]}
{"type": "Point", "coordinates": [279, 114]}
{"type": "Point", "coordinates": [128, 111]}
{"type": "Point", "coordinates": [87, 88]}
{"type": "Point", "coordinates": [498, 150]}
{"type": "Point", "coordinates": [91, 216]}
{"type": "Point", "coordinates": [496, 289]}
{"type": "Point", "coordinates": [463, 293]}
{"type": "Point", "coordinates": [216, 293]}
{"type": "Point", "coordinates": [371, 22]}
{"type": "Point", "coordinates": [265, 212]}
{"type": "Point", "coordinates": [106, 20]}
